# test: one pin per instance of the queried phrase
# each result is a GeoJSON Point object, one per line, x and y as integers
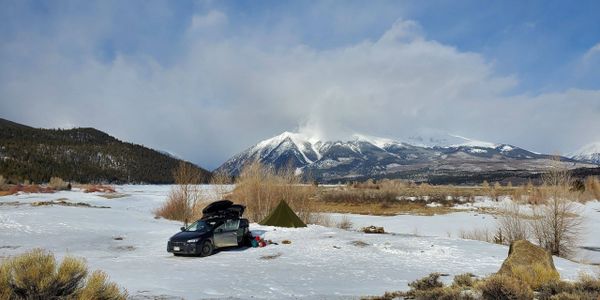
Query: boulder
{"type": "Point", "coordinates": [373, 229]}
{"type": "Point", "coordinates": [530, 263]}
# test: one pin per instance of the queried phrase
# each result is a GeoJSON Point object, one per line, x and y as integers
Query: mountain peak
{"type": "Point", "coordinates": [366, 156]}
{"type": "Point", "coordinates": [589, 153]}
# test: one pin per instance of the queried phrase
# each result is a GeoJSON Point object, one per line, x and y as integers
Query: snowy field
{"type": "Point", "coordinates": [321, 263]}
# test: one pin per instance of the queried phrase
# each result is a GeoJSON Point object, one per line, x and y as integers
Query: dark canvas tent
{"type": "Point", "coordinates": [283, 216]}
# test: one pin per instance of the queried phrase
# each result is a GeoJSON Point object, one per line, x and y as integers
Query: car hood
{"type": "Point", "coordinates": [188, 235]}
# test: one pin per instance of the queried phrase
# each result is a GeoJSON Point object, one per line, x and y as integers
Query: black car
{"type": "Point", "coordinates": [221, 226]}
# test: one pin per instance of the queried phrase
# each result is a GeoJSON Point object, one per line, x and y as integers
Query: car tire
{"type": "Point", "coordinates": [207, 248]}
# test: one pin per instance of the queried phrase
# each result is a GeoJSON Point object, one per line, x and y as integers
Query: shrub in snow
{"type": "Point", "coordinates": [56, 183]}
{"type": "Point", "coordinates": [464, 280]}
{"type": "Point", "coordinates": [503, 287]}
{"type": "Point", "coordinates": [427, 283]}
{"type": "Point", "coordinates": [345, 223]}
{"type": "Point", "coordinates": [36, 275]}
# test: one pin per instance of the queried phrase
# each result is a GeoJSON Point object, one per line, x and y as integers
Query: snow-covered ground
{"type": "Point", "coordinates": [320, 263]}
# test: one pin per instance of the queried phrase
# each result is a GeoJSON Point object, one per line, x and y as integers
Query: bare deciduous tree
{"type": "Point", "coordinates": [557, 223]}
{"type": "Point", "coordinates": [186, 197]}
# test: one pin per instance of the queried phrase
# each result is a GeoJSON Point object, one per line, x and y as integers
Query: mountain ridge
{"type": "Point", "coordinates": [82, 154]}
{"type": "Point", "coordinates": [373, 157]}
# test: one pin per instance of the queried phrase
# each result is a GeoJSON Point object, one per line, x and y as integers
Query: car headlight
{"type": "Point", "coordinates": [193, 240]}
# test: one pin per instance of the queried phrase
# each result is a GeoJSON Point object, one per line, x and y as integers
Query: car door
{"type": "Point", "coordinates": [226, 234]}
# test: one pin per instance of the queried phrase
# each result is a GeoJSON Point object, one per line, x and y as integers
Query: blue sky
{"type": "Point", "coordinates": [225, 74]}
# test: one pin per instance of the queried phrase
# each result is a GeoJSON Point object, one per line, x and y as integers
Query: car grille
{"type": "Point", "coordinates": [183, 246]}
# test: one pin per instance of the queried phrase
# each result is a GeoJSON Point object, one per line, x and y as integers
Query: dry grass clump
{"type": "Point", "coordinates": [466, 280]}
{"type": "Point", "coordinates": [478, 234]}
{"type": "Point", "coordinates": [503, 287]}
{"type": "Point", "coordinates": [57, 184]}
{"type": "Point", "coordinates": [586, 287]}
{"type": "Point", "coordinates": [261, 188]}
{"type": "Point", "coordinates": [219, 183]}
{"type": "Point", "coordinates": [36, 275]}
{"type": "Point", "coordinates": [591, 189]}
{"type": "Point", "coordinates": [344, 223]}
{"type": "Point", "coordinates": [498, 286]}
{"type": "Point", "coordinates": [428, 282]}
{"type": "Point", "coordinates": [186, 199]}
{"type": "Point", "coordinates": [534, 276]}
{"type": "Point", "coordinates": [513, 225]}
{"type": "Point", "coordinates": [430, 288]}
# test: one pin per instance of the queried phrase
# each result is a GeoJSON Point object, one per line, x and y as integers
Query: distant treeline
{"type": "Point", "coordinates": [80, 155]}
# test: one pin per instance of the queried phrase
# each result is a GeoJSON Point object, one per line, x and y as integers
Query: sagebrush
{"type": "Point", "coordinates": [37, 275]}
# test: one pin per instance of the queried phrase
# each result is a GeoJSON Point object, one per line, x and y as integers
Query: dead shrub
{"type": "Point", "coordinates": [186, 199]}
{"type": "Point", "coordinates": [484, 235]}
{"type": "Point", "coordinates": [503, 287]}
{"type": "Point", "coordinates": [552, 288]}
{"type": "Point", "coordinates": [57, 184]}
{"type": "Point", "coordinates": [428, 282]}
{"type": "Point", "coordinates": [464, 280]}
{"type": "Point", "coordinates": [588, 284]}
{"type": "Point", "coordinates": [98, 287]}
{"type": "Point", "coordinates": [219, 182]}
{"type": "Point", "coordinates": [261, 188]}
{"type": "Point", "coordinates": [344, 223]}
{"type": "Point", "coordinates": [512, 224]}
{"type": "Point", "coordinates": [441, 293]}
{"type": "Point", "coordinates": [586, 287]}
{"type": "Point", "coordinates": [320, 219]}
{"type": "Point", "coordinates": [35, 275]}
{"type": "Point", "coordinates": [592, 189]}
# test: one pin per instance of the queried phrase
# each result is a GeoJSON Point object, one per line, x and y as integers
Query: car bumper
{"type": "Point", "coordinates": [183, 248]}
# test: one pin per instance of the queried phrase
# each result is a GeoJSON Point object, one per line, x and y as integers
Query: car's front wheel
{"type": "Point", "coordinates": [207, 248]}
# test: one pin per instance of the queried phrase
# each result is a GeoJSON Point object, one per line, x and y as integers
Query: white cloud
{"type": "Point", "coordinates": [592, 52]}
{"type": "Point", "coordinates": [211, 19]}
{"type": "Point", "coordinates": [224, 94]}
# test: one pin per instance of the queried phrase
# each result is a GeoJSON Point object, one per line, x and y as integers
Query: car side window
{"type": "Point", "coordinates": [231, 225]}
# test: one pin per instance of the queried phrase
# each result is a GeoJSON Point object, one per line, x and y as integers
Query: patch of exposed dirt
{"type": "Point", "coordinates": [360, 244]}
{"type": "Point", "coordinates": [272, 256]}
{"type": "Point", "coordinates": [113, 195]}
{"type": "Point", "coordinates": [9, 247]}
{"type": "Point", "coordinates": [125, 248]}
{"type": "Point", "coordinates": [64, 202]}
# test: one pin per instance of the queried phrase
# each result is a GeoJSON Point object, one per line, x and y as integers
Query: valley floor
{"type": "Point", "coordinates": [320, 263]}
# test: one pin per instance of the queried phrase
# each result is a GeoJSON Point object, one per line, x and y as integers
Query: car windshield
{"type": "Point", "coordinates": [199, 226]}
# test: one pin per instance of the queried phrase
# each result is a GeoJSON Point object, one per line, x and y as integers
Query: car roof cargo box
{"type": "Point", "coordinates": [223, 209]}
{"type": "Point", "coordinates": [217, 206]}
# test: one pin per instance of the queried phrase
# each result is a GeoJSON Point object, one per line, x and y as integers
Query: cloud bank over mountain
{"type": "Point", "coordinates": [221, 89]}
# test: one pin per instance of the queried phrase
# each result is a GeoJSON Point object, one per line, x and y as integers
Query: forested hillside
{"type": "Point", "coordinates": [79, 155]}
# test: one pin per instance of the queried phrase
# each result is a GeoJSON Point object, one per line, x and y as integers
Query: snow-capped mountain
{"type": "Point", "coordinates": [372, 157]}
{"type": "Point", "coordinates": [589, 153]}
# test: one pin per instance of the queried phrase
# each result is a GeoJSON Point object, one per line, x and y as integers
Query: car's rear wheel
{"type": "Point", "coordinates": [207, 248]}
